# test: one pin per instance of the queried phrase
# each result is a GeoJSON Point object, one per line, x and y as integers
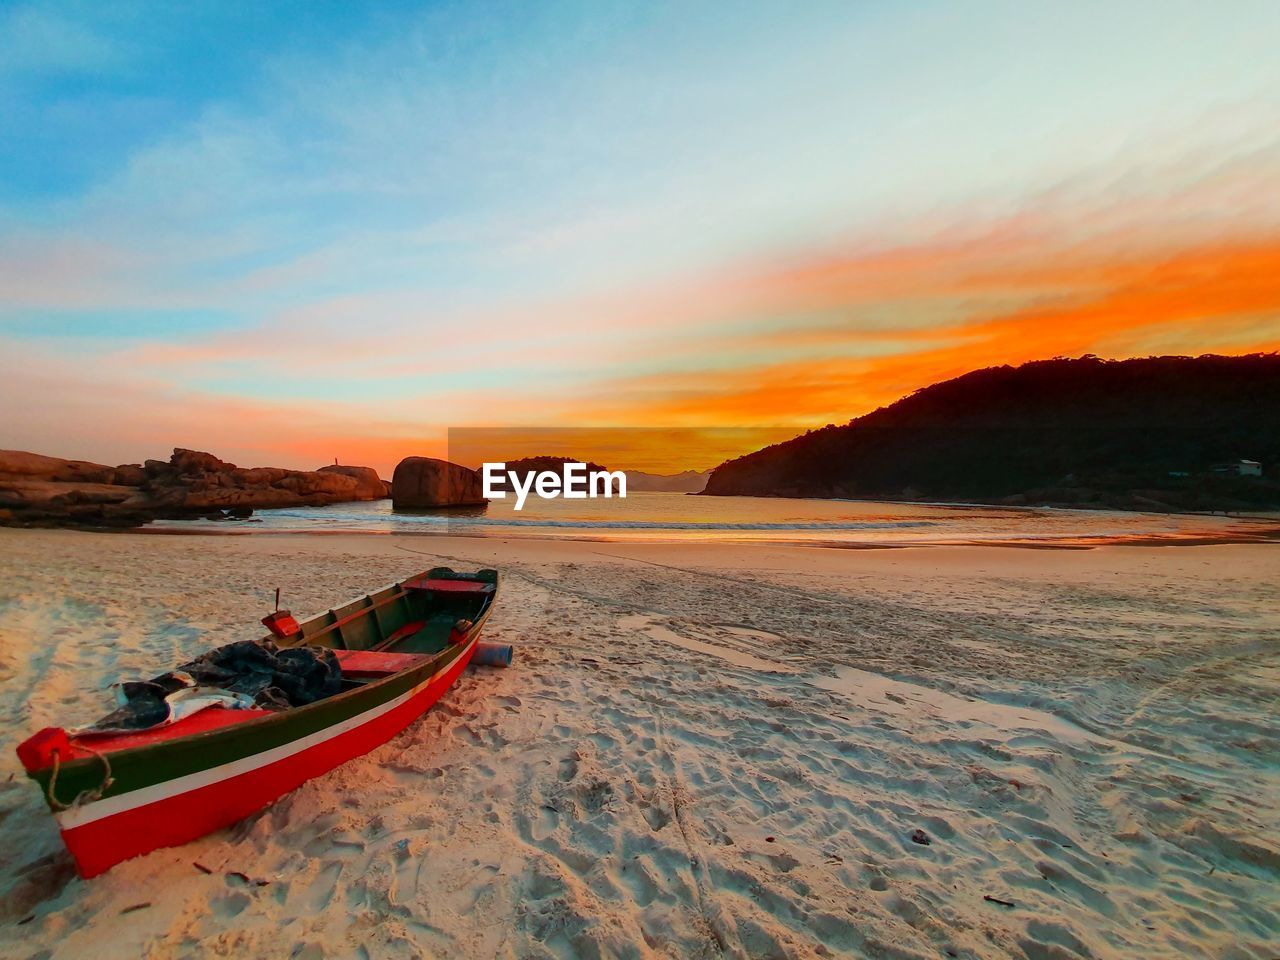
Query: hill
{"type": "Point", "coordinates": [1140, 434]}
{"type": "Point", "coordinates": [687, 481]}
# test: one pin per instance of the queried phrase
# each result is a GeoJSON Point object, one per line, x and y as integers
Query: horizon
{"type": "Point", "coordinates": [644, 450]}
{"type": "Point", "coordinates": [284, 235]}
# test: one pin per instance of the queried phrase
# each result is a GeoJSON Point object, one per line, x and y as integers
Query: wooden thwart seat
{"type": "Point", "coordinates": [375, 663]}
{"type": "Point", "coordinates": [440, 585]}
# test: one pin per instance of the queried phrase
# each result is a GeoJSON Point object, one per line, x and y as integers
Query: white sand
{"type": "Point", "coordinates": [701, 750]}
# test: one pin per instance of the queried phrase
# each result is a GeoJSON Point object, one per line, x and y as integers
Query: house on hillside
{"type": "Point", "coordinates": [1239, 468]}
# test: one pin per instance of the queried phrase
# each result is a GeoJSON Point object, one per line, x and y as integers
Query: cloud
{"type": "Point", "coordinates": [797, 343]}
{"type": "Point", "coordinates": [1208, 297]}
{"type": "Point", "coordinates": [550, 215]}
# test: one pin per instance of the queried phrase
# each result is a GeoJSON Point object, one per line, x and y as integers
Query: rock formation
{"type": "Point", "coordinates": [426, 482]}
{"type": "Point", "coordinates": [17, 463]}
{"type": "Point", "coordinates": [36, 490]}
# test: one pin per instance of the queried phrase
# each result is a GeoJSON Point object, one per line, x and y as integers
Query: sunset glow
{"type": "Point", "coordinates": [346, 234]}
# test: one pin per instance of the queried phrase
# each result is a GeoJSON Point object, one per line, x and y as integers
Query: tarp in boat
{"type": "Point", "coordinates": [243, 674]}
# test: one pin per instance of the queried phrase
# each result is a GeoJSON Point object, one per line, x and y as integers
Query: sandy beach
{"type": "Point", "coordinates": [701, 750]}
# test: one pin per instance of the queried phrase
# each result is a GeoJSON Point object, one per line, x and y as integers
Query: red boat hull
{"type": "Point", "coordinates": [100, 835]}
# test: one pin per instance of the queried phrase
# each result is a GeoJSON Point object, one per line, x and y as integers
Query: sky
{"type": "Point", "coordinates": [294, 232]}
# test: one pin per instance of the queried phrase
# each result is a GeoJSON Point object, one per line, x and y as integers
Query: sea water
{"type": "Point", "coordinates": [675, 516]}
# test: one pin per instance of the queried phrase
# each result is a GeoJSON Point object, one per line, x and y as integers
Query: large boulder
{"type": "Point", "coordinates": [369, 486]}
{"type": "Point", "coordinates": [428, 482]}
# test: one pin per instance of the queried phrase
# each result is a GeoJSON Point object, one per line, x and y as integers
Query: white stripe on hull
{"type": "Point", "coordinates": [110, 806]}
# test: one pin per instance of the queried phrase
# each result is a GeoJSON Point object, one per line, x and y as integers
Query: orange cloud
{"type": "Point", "coordinates": [1214, 297]}
{"type": "Point", "coordinates": [767, 349]}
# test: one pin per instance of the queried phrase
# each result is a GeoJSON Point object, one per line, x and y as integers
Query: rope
{"type": "Point", "coordinates": [85, 796]}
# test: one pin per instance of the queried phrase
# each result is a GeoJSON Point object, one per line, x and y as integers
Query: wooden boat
{"type": "Point", "coordinates": [119, 795]}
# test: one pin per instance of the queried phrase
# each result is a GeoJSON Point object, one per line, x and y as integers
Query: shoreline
{"type": "Point", "coordinates": [1065, 542]}
{"type": "Point", "coordinates": [1272, 510]}
{"type": "Point", "coordinates": [1271, 515]}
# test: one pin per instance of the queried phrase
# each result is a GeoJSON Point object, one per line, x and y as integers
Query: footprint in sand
{"type": "Point", "coordinates": [543, 884]}
{"type": "Point", "coordinates": [320, 893]}
{"type": "Point", "coordinates": [547, 824]}
{"type": "Point", "coordinates": [637, 878]}
{"type": "Point", "coordinates": [232, 905]}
